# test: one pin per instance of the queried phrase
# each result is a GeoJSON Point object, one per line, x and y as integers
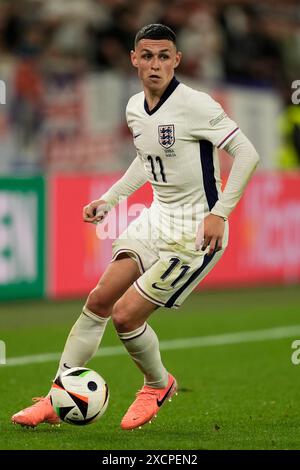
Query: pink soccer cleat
{"type": "Point", "coordinates": [40, 412]}
{"type": "Point", "coordinates": [147, 404]}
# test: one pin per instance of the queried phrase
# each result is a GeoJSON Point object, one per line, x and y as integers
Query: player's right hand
{"type": "Point", "coordinates": [95, 211]}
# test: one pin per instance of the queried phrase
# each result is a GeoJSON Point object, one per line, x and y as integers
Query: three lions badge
{"type": "Point", "coordinates": [166, 135]}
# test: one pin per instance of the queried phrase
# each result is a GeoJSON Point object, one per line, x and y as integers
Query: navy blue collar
{"type": "Point", "coordinates": [168, 91]}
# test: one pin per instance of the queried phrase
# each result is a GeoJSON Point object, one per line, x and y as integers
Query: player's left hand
{"type": "Point", "coordinates": [210, 233]}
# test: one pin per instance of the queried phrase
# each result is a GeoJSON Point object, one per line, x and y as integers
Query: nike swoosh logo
{"type": "Point", "coordinates": [159, 288]}
{"type": "Point", "coordinates": [65, 365]}
{"type": "Point", "coordinates": [137, 135]}
{"type": "Point", "coordinates": [160, 402]}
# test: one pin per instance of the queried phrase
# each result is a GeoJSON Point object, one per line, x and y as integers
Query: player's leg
{"type": "Point", "coordinates": [168, 282]}
{"type": "Point", "coordinates": [129, 316]}
{"type": "Point", "coordinates": [131, 257]}
{"type": "Point", "coordinates": [85, 336]}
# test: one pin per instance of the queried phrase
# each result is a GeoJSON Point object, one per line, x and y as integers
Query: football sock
{"type": "Point", "coordinates": [142, 345]}
{"type": "Point", "coordinates": [83, 340]}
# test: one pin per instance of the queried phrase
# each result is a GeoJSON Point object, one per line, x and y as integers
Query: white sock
{"type": "Point", "coordinates": [83, 341]}
{"type": "Point", "coordinates": [142, 345]}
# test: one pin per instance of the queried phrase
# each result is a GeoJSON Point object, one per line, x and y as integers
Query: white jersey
{"type": "Point", "coordinates": [177, 143]}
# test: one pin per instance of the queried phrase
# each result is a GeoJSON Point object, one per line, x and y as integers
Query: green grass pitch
{"type": "Point", "coordinates": [239, 395]}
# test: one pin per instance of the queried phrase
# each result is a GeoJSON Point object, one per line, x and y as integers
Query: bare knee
{"type": "Point", "coordinates": [98, 303]}
{"type": "Point", "coordinates": [122, 317]}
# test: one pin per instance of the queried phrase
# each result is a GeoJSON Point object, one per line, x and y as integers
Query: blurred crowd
{"type": "Point", "coordinates": [222, 40]}
{"type": "Point", "coordinates": [47, 44]}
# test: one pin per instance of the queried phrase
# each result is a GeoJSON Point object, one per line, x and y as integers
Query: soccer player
{"type": "Point", "coordinates": [159, 259]}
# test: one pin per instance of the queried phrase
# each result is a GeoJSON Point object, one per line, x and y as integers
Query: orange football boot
{"type": "Point", "coordinates": [147, 404]}
{"type": "Point", "coordinates": [40, 412]}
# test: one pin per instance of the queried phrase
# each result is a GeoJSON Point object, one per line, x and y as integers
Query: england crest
{"type": "Point", "coordinates": [166, 135]}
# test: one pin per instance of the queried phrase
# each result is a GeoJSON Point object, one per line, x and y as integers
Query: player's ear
{"type": "Point", "coordinates": [177, 59]}
{"type": "Point", "coordinates": [133, 57]}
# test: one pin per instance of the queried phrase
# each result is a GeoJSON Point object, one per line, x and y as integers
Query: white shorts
{"type": "Point", "coordinates": [170, 270]}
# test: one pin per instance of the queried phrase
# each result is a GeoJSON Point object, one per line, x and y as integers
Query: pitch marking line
{"type": "Point", "coordinates": [182, 343]}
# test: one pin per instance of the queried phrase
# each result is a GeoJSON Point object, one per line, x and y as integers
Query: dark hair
{"type": "Point", "coordinates": [155, 31]}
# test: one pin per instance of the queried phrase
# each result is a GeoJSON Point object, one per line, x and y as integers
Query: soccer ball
{"type": "Point", "coordinates": [79, 396]}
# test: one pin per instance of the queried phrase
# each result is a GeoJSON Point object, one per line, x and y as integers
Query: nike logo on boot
{"type": "Point", "coordinates": [160, 402]}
